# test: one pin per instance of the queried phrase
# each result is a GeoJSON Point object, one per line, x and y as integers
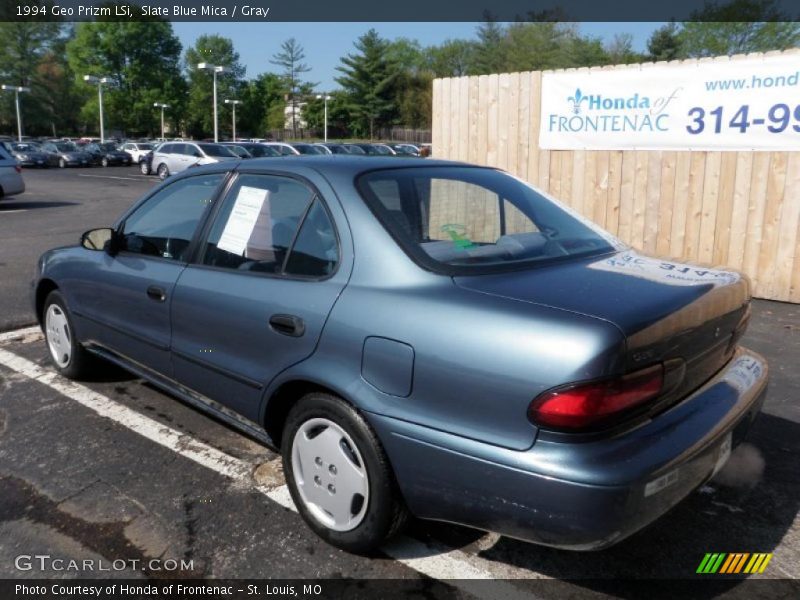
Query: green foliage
{"type": "Point", "coordinates": [32, 55]}
{"type": "Point", "coordinates": [262, 105]}
{"type": "Point", "coordinates": [290, 59]}
{"type": "Point", "coordinates": [620, 50]}
{"type": "Point", "coordinates": [737, 27]}
{"type": "Point", "coordinates": [216, 50]}
{"type": "Point", "coordinates": [142, 59]}
{"type": "Point", "coordinates": [664, 43]}
{"type": "Point", "coordinates": [370, 78]}
{"type": "Point", "coordinates": [452, 58]}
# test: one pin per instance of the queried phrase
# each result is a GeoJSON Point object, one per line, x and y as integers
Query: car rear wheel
{"type": "Point", "coordinates": [163, 171]}
{"type": "Point", "coordinates": [104, 161]}
{"type": "Point", "coordinates": [69, 357]}
{"type": "Point", "coordinates": [62, 163]}
{"type": "Point", "coordinates": [339, 476]}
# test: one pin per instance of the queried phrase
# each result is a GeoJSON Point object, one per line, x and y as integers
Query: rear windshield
{"type": "Point", "coordinates": [464, 220]}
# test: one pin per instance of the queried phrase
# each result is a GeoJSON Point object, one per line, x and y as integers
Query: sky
{"type": "Point", "coordinates": [326, 43]}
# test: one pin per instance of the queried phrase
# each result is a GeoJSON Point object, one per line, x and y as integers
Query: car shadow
{"type": "Point", "coordinates": [751, 516]}
{"type": "Point", "coordinates": [107, 372]}
{"type": "Point", "coordinates": [27, 205]}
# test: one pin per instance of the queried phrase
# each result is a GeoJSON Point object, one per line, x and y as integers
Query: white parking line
{"type": "Point", "coordinates": [108, 177]}
{"type": "Point", "coordinates": [13, 210]}
{"type": "Point", "coordinates": [436, 562]}
{"type": "Point", "coordinates": [18, 334]}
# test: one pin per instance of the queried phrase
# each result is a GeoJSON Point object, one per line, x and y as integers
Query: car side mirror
{"type": "Point", "coordinates": [104, 238]}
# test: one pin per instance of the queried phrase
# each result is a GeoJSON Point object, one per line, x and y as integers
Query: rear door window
{"type": "Point", "coordinates": [272, 224]}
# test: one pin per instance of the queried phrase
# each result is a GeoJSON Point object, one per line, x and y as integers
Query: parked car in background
{"type": "Point", "coordinates": [108, 154]}
{"type": "Point", "coordinates": [137, 150]}
{"type": "Point", "coordinates": [282, 147]}
{"type": "Point", "coordinates": [376, 149]}
{"type": "Point", "coordinates": [405, 149]}
{"type": "Point", "coordinates": [238, 149]}
{"type": "Point", "coordinates": [174, 157]}
{"type": "Point", "coordinates": [336, 148]}
{"type": "Point", "coordinates": [313, 149]}
{"type": "Point", "coordinates": [11, 181]}
{"type": "Point", "coordinates": [257, 150]}
{"type": "Point", "coordinates": [30, 154]}
{"type": "Point", "coordinates": [510, 367]}
{"type": "Point", "coordinates": [354, 149]}
{"type": "Point", "coordinates": [67, 154]}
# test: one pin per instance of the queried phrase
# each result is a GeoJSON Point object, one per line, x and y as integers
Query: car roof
{"type": "Point", "coordinates": [344, 163]}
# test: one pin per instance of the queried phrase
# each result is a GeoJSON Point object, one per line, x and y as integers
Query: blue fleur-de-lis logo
{"type": "Point", "coordinates": [576, 101]}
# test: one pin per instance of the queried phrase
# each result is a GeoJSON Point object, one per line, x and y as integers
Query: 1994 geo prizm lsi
{"type": "Point", "coordinates": [419, 338]}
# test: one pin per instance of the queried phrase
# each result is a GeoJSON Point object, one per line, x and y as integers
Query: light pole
{"type": "Point", "coordinates": [214, 70]}
{"type": "Point", "coordinates": [17, 89]}
{"type": "Point", "coordinates": [99, 81]}
{"type": "Point", "coordinates": [233, 104]}
{"type": "Point", "coordinates": [325, 98]}
{"type": "Point", "coordinates": [162, 106]}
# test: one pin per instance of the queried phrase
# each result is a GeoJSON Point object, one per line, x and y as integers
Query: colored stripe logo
{"type": "Point", "coordinates": [734, 562]}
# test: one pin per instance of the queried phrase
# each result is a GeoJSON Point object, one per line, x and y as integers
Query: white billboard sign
{"type": "Point", "coordinates": [741, 104]}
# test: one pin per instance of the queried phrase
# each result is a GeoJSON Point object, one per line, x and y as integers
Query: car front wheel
{"type": "Point", "coordinates": [62, 163]}
{"type": "Point", "coordinates": [144, 168]}
{"type": "Point", "coordinates": [69, 357]}
{"type": "Point", "coordinates": [339, 476]}
{"type": "Point", "coordinates": [104, 161]}
{"type": "Point", "coordinates": [163, 171]}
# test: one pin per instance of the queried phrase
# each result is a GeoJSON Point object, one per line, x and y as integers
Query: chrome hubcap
{"type": "Point", "coordinates": [59, 337]}
{"type": "Point", "coordinates": [330, 474]}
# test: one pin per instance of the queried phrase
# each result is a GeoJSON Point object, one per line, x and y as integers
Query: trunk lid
{"type": "Point", "coordinates": [687, 316]}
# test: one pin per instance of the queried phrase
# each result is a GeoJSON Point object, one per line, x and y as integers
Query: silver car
{"type": "Point", "coordinates": [174, 157]}
{"type": "Point", "coordinates": [11, 181]}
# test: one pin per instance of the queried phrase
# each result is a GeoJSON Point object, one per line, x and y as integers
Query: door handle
{"type": "Point", "coordinates": [156, 293]}
{"type": "Point", "coordinates": [287, 325]}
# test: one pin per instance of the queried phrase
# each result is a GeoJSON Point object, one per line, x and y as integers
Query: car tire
{"type": "Point", "coordinates": [163, 171]}
{"type": "Point", "coordinates": [144, 168]}
{"type": "Point", "coordinates": [350, 456]}
{"type": "Point", "coordinates": [104, 161]}
{"type": "Point", "coordinates": [62, 163]}
{"type": "Point", "coordinates": [67, 354]}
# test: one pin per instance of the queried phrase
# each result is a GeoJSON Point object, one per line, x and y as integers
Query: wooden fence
{"type": "Point", "coordinates": [739, 209]}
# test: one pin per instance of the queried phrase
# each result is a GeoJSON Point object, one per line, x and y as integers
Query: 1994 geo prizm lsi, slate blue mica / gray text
{"type": "Point", "coordinates": [431, 339]}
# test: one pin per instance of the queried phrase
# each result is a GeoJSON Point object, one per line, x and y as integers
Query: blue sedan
{"type": "Point", "coordinates": [439, 340]}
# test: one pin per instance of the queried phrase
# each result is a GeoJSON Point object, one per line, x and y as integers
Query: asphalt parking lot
{"type": "Point", "coordinates": [114, 469]}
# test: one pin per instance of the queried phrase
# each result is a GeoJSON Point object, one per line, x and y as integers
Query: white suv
{"type": "Point", "coordinates": [137, 150]}
{"type": "Point", "coordinates": [174, 157]}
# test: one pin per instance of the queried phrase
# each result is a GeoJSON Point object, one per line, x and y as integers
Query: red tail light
{"type": "Point", "coordinates": [584, 406]}
{"type": "Point", "coordinates": [18, 168]}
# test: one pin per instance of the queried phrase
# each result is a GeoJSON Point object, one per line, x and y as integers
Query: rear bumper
{"type": "Point", "coordinates": [580, 496]}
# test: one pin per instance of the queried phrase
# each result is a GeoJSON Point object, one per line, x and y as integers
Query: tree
{"type": "Point", "coordinates": [290, 58]}
{"type": "Point", "coordinates": [370, 79]}
{"type": "Point", "coordinates": [490, 54]}
{"type": "Point", "coordinates": [262, 104]}
{"type": "Point", "coordinates": [26, 45]}
{"type": "Point", "coordinates": [142, 58]}
{"type": "Point", "coordinates": [664, 43]}
{"type": "Point", "coordinates": [216, 50]}
{"type": "Point", "coordinates": [620, 50]}
{"type": "Point", "coordinates": [737, 27]}
{"type": "Point", "coordinates": [338, 114]}
{"type": "Point", "coordinates": [452, 58]}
